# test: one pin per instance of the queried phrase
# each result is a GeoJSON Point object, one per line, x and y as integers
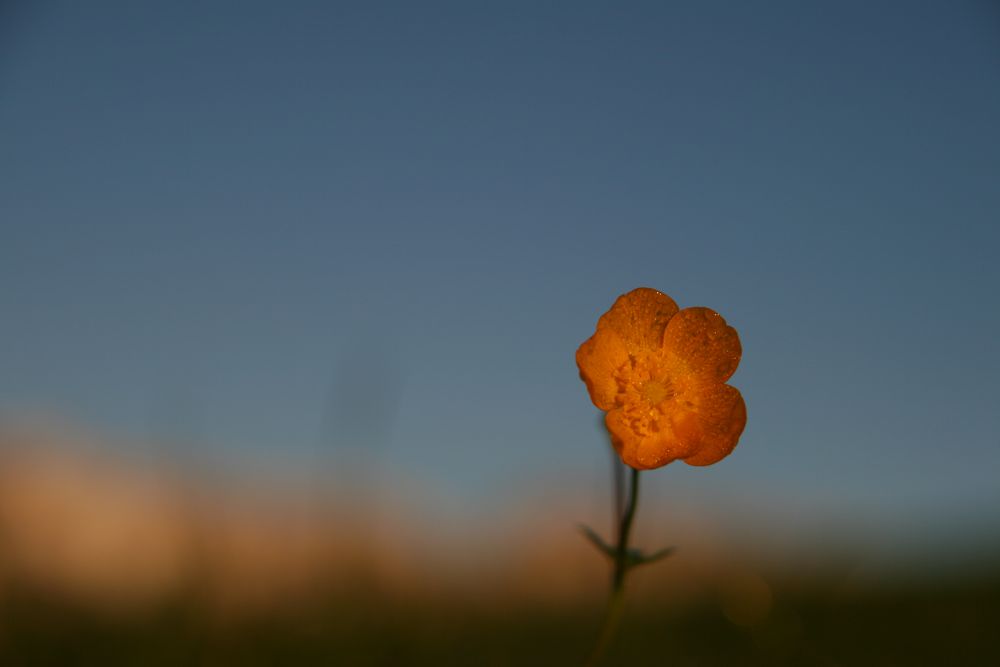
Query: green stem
{"type": "Point", "coordinates": [621, 554]}
{"type": "Point", "coordinates": [618, 486]}
{"type": "Point", "coordinates": [616, 603]}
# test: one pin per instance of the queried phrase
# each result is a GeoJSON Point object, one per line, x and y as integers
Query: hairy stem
{"type": "Point", "coordinates": [616, 603]}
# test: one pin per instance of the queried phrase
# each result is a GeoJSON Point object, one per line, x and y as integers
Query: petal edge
{"type": "Point", "coordinates": [640, 317]}
{"type": "Point", "coordinates": [700, 340]}
{"type": "Point", "coordinates": [722, 416]}
{"type": "Point", "coordinates": [598, 358]}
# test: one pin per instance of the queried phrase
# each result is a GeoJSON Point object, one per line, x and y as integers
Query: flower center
{"type": "Point", "coordinates": [655, 391]}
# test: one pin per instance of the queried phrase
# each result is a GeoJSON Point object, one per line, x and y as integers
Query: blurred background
{"type": "Point", "coordinates": [290, 295]}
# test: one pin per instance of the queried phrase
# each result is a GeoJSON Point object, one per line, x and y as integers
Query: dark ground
{"type": "Point", "coordinates": [952, 623]}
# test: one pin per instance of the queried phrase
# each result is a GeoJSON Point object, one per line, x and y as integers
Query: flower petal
{"type": "Point", "coordinates": [720, 415]}
{"type": "Point", "coordinates": [640, 318]}
{"type": "Point", "coordinates": [701, 342]}
{"type": "Point", "coordinates": [598, 359]}
{"type": "Point", "coordinates": [647, 450]}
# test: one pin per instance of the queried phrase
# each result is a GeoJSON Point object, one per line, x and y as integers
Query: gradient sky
{"type": "Point", "coordinates": [266, 226]}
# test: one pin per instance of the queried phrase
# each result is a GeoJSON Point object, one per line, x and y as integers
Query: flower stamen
{"type": "Point", "coordinates": [655, 391]}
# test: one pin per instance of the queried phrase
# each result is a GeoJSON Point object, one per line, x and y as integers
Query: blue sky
{"type": "Point", "coordinates": [263, 227]}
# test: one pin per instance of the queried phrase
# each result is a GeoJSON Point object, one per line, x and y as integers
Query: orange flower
{"type": "Point", "coordinates": [660, 375]}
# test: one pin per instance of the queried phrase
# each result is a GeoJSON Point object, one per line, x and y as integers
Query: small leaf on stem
{"type": "Point", "coordinates": [596, 540]}
{"type": "Point", "coordinates": [636, 557]}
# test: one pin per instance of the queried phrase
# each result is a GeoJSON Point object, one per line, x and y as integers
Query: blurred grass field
{"type": "Point", "coordinates": [104, 561]}
{"type": "Point", "coordinates": [928, 624]}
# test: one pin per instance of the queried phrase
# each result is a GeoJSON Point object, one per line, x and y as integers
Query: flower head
{"type": "Point", "coordinates": [660, 373]}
